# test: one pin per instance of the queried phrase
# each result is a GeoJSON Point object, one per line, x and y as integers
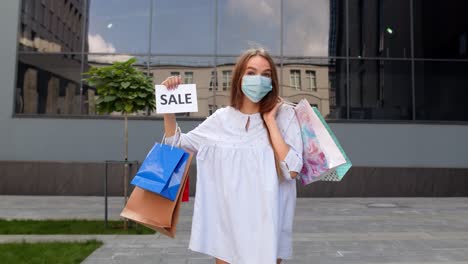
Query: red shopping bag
{"type": "Point", "coordinates": [185, 195]}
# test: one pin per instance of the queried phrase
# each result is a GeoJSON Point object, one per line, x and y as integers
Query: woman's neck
{"type": "Point", "coordinates": [249, 107]}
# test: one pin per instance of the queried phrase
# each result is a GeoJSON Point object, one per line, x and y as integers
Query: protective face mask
{"type": "Point", "coordinates": [255, 87]}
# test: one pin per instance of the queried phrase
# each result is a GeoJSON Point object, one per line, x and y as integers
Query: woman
{"type": "Point", "coordinates": [248, 155]}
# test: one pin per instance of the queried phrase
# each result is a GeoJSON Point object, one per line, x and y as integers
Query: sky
{"type": "Point", "coordinates": [188, 26]}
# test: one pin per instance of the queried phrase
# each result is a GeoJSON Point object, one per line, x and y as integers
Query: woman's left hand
{"type": "Point", "coordinates": [271, 116]}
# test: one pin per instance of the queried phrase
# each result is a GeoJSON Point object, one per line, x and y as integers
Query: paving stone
{"type": "Point", "coordinates": [327, 231]}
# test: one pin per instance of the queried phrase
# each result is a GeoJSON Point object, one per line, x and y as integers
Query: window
{"type": "Point", "coordinates": [213, 81]}
{"type": "Point", "coordinates": [226, 80]}
{"type": "Point", "coordinates": [33, 35]}
{"type": "Point", "coordinates": [175, 73]}
{"type": "Point", "coordinates": [131, 18]}
{"type": "Point", "coordinates": [40, 14]}
{"type": "Point", "coordinates": [235, 30]}
{"type": "Point", "coordinates": [63, 31]}
{"type": "Point", "coordinates": [211, 109]}
{"type": "Point", "coordinates": [51, 22]}
{"type": "Point", "coordinates": [46, 18]}
{"type": "Point", "coordinates": [31, 8]}
{"type": "Point", "coordinates": [299, 36]}
{"type": "Point", "coordinates": [295, 79]}
{"type": "Point", "coordinates": [57, 27]}
{"type": "Point", "coordinates": [188, 77]}
{"type": "Point", "coordinates": [311, 80]}
{"type": "Point", "coordinates": [23, 30]}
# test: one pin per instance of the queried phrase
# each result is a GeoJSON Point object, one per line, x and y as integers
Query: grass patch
{"type": "Point", "coordinates": [50, 252]}
{"type": "Point", "coordinates": [68, 227]}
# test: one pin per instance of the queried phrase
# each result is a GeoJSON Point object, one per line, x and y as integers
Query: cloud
{"type": "Point", "coordinates": [306, 22]}
{"type": "Point", "coordinates": [257, 11]}
{"type": "Point", "coordinates": [307, 27]}
{"type": "Point", "coordinates": [97, 44]}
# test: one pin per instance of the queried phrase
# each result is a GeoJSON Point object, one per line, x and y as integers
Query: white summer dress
{"type": "Point", "coordinates": [243, 212]}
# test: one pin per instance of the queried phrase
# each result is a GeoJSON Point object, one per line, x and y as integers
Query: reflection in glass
{"type": "Point", "coordinates": [380, 89]}
{"type": "Point", "coordinates": [227, 76]}
{"type": "Point", "coordinates": [380, 28]}
{"type": "Point", "coordinates": [223, 75]}
{"type": "Point", "coordinates": [51, 26]}
{"type": "Point", "coordinates": [183, 27]}
{"type": "Point", "coordinates": [90, 94]}
{"type": "Point", "coordinates": [312, 79]}
{"type": "Point", "coordinates": [311, 28]}
{"type": "Point", "coordinates": [188, 77]}
{"type": "Point", "coordinates": [118, 26]}
{"type": "Point", "coordinates": [441, 29]}
{"type": "Point", "coordinates": [196, 70]}
{"type": "Point", "coordinates": [441, 90]}
{"type": "Point", "coordinates": [48, 84]}
{"type": "Point", "coordinates": [244, 24]}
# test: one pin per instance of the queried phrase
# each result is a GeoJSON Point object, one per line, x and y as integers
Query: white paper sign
{"type": "Point", "coordinates": [180, 100]}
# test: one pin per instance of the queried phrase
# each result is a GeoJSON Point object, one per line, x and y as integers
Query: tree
{"type": "Point", "coordinates": [121, 87]}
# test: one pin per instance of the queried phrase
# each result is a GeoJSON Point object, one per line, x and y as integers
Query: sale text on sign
{"type": "Point", "coordinates": [180, 100]}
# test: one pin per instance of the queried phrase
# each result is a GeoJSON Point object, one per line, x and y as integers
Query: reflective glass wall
{"type": "Point", "coordinates": [353, 59]}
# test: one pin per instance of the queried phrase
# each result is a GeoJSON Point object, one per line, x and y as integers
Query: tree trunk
{"type": "Point", "coordinates": [126, 168]}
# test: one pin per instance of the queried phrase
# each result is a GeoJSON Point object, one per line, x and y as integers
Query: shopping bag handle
{"type": "Point", "coordinates": [288, 102]}
{"type": "Point", "coordinates": [177, 133]}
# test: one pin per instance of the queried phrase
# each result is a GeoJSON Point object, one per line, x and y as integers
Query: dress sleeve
{"type": "Point", "coordinates": [293, 161]}
{"type": "Point", "coordinates": [196, 137]}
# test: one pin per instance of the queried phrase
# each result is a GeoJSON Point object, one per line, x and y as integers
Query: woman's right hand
{"type": "Point", "coordinates": [172, 82]}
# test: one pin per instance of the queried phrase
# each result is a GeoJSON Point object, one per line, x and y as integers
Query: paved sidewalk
{"type": "Point", "coordinates": [327, 230]}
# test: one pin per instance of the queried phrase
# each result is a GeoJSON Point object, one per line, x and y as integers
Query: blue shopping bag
{"type": "Point", "coordinates": [162, 170]}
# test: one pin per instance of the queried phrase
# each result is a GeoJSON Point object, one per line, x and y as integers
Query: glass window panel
{"type": "Point", "coordinates": [312, 28]}
{"type": "Point", "coordinates": [118, 26]}
{"type": "Point", "coordinates": [380, 28]}
{"type": "Point", "coordinates": [247, 24]}
{"type": "Point", "coordinates": [311, 80]}
{"type": "Point", "coordinates": [330, 79]}
{"type": "Point", "coordinates": [295, 79]}
{"type": "Point", "coordinates": [42, 30]}
{"type": "Point", "coordinates": [227, 75]}
{"type": "Point", "coordinates": [183, 27]}
{"type": "Point", "coordinates": [188, 77]}
{"type": "Point", "coordinates": [48, 84]}
{"type": "Point", "coordinates": [224, 70]}
{"type": "Point", "coordinates": [380, 89]}
{"type": "Point", "coordinates": [441, 90]}
{"type": "Point", "coordinates": [89, 93]}
{"type": "Point", "coordinates": [199, 69]}
{"type": "Point", "coordinates": [441, 29]}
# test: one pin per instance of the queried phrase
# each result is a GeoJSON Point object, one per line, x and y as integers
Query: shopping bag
{"type": "Point", "coordinates": [323, 157]}
{"type": "Point", "coordinates": [153, 210]}
{"type": "Point", "coordinates": [156, 173]}
{"type": "Point", "coordinates": [185, 195]}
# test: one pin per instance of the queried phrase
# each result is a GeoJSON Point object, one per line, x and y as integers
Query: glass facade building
{"type": "Point", "coordinates": [390, 76]}
{"type": "Point", "coordinates": [353, 59]}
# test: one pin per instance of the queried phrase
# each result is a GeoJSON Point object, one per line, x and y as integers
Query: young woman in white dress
{"type": "Point", "coordinates": [248, 155]}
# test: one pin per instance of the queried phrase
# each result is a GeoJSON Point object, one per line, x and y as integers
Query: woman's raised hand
{"type": "Point", "coordinates": [172, 82]}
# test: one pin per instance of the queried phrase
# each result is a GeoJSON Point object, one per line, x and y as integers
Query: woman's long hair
{"type": "Point", "coordinates": [237, 96]}
{"type": "Point", "coordinates": [268, 102]}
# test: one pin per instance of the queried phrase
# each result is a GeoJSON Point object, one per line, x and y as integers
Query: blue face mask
{"type": "Point", "coordinates": [255, 87]}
